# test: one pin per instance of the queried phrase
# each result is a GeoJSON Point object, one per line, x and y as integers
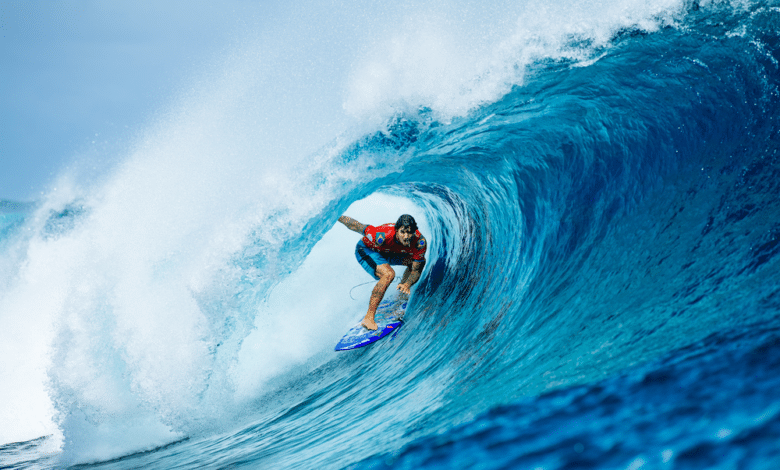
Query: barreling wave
{"type": "Point", "coordinates": [615, 204]}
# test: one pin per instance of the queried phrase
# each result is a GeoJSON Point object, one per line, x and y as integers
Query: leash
{"type": "Point", "coordinates": [369, 282]}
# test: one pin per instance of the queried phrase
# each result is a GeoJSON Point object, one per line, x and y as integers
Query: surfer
{"type": "Point", "coordinates": [399, 244]}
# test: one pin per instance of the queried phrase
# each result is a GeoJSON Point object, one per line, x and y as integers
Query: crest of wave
{"type": "Point", "coordinates": [452, 60]}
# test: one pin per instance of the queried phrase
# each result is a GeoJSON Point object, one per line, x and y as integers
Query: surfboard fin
{"type": "Point", "coordinates": [395, 332]}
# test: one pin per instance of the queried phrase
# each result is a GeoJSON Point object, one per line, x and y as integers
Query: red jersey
{"type": "Point", "coordinates": [382, 239]}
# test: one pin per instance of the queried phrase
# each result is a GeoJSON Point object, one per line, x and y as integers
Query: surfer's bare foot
{"type": "Point", "coordinates": [369, 323]}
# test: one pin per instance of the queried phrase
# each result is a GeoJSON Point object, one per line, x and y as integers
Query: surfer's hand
{"type": "Point", "coordinates": [404, 288]}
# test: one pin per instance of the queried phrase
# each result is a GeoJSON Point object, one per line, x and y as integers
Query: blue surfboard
{"type": "Point", "coordinates": [389, 318]}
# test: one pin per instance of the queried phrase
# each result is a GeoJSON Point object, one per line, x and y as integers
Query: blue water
{"type": "Point", "coordinates": [602, 289]}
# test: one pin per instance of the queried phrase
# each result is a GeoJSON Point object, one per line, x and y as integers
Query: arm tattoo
{"type": "Point", "coordinates": [353, 224]}
{"type": "Point", "coordinates": [414, 276]}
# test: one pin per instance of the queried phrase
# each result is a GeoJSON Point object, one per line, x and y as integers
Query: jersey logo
{"type": "Point", "coordinates": [380, 238]}
{"type": "Point", "coordinates": [421, 244]}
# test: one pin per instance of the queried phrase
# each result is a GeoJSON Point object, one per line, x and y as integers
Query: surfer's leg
{"type": "Point", "coordinates": [386, 274]}
{"type": "Point", "coordinates": [369, 259]}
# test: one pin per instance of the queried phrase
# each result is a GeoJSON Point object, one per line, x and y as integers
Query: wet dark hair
{"type": "Point", "coordinates": [406, 220]}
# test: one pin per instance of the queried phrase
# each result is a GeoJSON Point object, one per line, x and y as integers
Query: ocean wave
{"type": "Point", "coordinates": [603, 199]}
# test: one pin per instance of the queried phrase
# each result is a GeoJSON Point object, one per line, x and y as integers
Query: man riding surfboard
{"type": "Point", "coordinates": [381, 247]}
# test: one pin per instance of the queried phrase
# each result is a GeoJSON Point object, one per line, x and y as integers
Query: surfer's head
{"type": "Point", "coordinates": [404, 229]}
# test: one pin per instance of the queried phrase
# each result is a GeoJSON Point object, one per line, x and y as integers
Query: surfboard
{"type": "Point", "coordinates": [389, 318]}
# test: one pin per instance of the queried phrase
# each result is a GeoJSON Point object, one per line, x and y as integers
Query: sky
{"type": "Point", "coordinates": [77, 74]}
{"type": "Point", "coordinates": [77, 78]}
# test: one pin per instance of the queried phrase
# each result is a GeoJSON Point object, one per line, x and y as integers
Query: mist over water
{"type": "Point", "coordinates": [596, 181]}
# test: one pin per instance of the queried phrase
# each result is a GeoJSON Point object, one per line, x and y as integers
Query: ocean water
{"type": "Point", "coordinates": [600, 193]}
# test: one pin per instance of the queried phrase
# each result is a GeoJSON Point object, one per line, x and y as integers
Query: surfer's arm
{"type": "Point", "coordinates": [417, 267]}
{"type": "Point", "coordinates": [414, 276]}
{"type": "Point", "coordinates": [353, 224]}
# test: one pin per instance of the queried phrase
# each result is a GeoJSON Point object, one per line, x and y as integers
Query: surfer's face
{"type": "Point", "coordinates": [404, 236]}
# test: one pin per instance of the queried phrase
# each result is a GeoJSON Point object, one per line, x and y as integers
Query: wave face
{"type": "Point", "coordinates": [601, 290]}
